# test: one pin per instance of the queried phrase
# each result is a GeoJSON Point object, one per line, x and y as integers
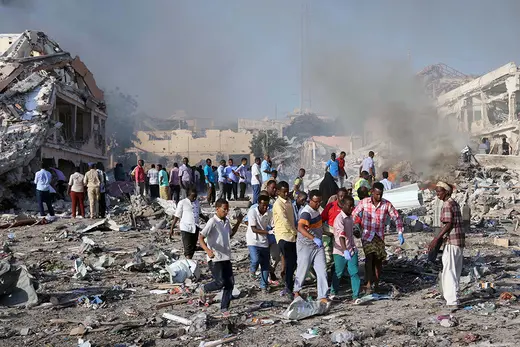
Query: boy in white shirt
{"type": "Point", "coordinates": [259, 227]}
{"type": "Point", "coordinates": [215, 240]}
{"type": "Point", "coordinates": [188, 212]}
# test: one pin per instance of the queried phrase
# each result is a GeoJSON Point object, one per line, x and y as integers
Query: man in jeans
{"type": "Point", "coordinates": [256, 180]}
{"type": "Point", "coordinates": [185, 177]}
{"type": "Point", "coordinates": [259, 221]}
{"type": "Point", "coordinates": [285, 232]}
{"type": "Point", "coordinates": [242, 172]}
{"type": "Point", "coordinates": [175, 186]}
{"type": "Point", "coordinates": [222, 180]}
{"type": "Point", "coordinates": [42, 179]}
{"type": "Point", "coordinates": [210, 181]}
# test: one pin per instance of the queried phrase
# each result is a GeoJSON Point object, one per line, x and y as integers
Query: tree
{"type": "Point", "coordinates": [267, 142]}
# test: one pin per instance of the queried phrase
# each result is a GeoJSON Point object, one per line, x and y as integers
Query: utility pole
{"type": "Point", "coordinates": [302, 53]}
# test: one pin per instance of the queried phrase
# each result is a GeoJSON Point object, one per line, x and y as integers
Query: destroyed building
{"type": "Point", "coordinates": [50, 109]}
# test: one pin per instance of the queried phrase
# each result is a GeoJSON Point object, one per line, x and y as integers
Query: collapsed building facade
{"type": "Point", "coordinates": [50, 109]}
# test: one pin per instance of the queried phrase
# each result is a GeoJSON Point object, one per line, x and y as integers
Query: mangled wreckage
{"type": "Point", "coordinates": [50, 109]}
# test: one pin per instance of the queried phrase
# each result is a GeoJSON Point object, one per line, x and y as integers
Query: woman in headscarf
{"type": "Point", "coordinates": [328, 188]}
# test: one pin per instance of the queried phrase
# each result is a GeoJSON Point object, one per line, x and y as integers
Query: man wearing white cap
{"type": "Point", "coordinates": [452, 235]}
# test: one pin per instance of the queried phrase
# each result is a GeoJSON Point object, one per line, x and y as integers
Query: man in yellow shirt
{"type": "Point", "coordinates": [285, 232]}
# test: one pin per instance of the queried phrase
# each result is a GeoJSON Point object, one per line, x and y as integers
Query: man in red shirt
{"type": "Point", "coordinates": [139, 176]}
{"type": "Point", "coordinates": [342, 173]}
{"type": "Point", "coordinates": [329, 214]}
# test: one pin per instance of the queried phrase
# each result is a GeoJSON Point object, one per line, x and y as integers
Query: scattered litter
{"type": "Point", "coordinates": [218, 342]}
{"type": "Point", "coordinates": [81, 269]}
{"type": "Point", "coordinates": [470, 338]}
{"type": "Point", "coordinates": [180, 270]}
{"type": "Point", "coordinates": [340, 336]}
{"type": "Point", "coordinates": [301, 309]}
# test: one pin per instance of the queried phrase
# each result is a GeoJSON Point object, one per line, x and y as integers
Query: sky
{"type": "Point", "coordinates": [230, 59]}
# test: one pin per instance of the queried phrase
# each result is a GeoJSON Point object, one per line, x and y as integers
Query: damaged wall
{"type": "Point", "coordinates": [50, 107]}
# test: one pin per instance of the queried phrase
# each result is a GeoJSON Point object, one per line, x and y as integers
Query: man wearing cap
{"type": "Point", "coordinates": [453, 238]}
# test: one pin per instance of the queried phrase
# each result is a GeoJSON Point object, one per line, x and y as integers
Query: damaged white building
{"type": "Point", "coordinates": [50, 109]}
{"type": "Point", "coordinates": [487, 106]}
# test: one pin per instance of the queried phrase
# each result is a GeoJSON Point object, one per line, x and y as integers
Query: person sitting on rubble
{"type": "Point", "coordinates": [309, 247]}
{"type": "Point", "coordinates": [345, 250]}
{"type": "Point", "coordinates": [42, 179]}
{"type": "Point", "coordinates": [506, 147]}
{"type": "Point", "coordinates": [188, 213]}
{"type": "Point", "coordinates": [91, 181]}
{"type": "Point", "coordinates": [362, 182]}
{"type": "Point", "coordinates": [389, 185]}
{"type": "Point", "coordinates": [259, 227]}
{"type": "Point", "coordinates": [215, 241]}
{"type": "Point", "coordinates": [453, 238]}
{"type": "Point", "coordinates": [371, 214]}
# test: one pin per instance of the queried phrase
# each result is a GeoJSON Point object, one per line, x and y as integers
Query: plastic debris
{"type": "Point", "coordinates": [81, 269]}
{"type": "Point", "coordinates": [300, 309]}
{"type": "Point", "coordinates": [340, 336]}
{"type": "Point", "coordinates": [182, 269]}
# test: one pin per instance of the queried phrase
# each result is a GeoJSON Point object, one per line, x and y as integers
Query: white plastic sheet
{"type": "Point", "coordinates": [405, 197]}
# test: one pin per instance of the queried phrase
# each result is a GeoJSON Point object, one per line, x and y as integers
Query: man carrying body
{"type": "Point", "coordinates": [386, 182]}
{"type": "Point", "coordinates": [333, 167]}
{"type": "Point", "coordinates": [309, 247]}
{"type": "Point", "coordinates": [342, 172]}
{"type": "Point", "coordinates": [91, 181]}
{"type": "Point", "coordinates": [372, 213]}
{"type": "Point", "coordinates": [185, 177]}
{"type": "Point", "coordinates": [452, 235]}
{"type": "Point", "coordinates": [285, 232]}
{"type": "Point", "coordinates": [256, 180]}
{"type": "Point", "coordinates": [175, 185]}
{"type": "Point", "coordinates": [153, 182]}
{"type": "Point", "coordinates": [368, 166]}
{"type": "Point", "coordinates": [210, 181]}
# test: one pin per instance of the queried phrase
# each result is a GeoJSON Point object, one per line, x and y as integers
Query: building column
{"type": "Point", "coordinates": [512, 85]}
{"type": "Point", "coordinates": [485, 119]}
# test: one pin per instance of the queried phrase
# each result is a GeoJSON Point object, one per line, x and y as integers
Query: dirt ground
{"type": "Point", "coordinates": [128, 315]}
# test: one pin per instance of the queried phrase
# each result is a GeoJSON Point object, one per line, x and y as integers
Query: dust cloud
{"type": "Point", "coordinates": [385, 100]}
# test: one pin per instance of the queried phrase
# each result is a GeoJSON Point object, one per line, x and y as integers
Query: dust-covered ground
{"type": "Point", "coordinates": [128, 314]}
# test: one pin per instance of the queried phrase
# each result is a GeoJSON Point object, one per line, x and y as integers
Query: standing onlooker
{"type": "Point", "coordinates": [483, 148]}
{"type": "Point", "coordinates": [102, 189]}
{"type": "Point", "coordinates": [285, 233]}
{"type": "Point", "coordinates": [119, 173]}
{"type": "Point", "coordinates": [175, 186]}
{"type": "Point", "coordinates": [242, 172]}
{"type": "Point", "coordinates": [342, 172]}
{"type": "Point", "coordinates": [453, 238]}
{"type": "Point", "coordinates": [76, 191]}
{"type": "Point", "coordinates": [139, 177]}
{"type": "Point", "coordinates": [215, 241]}
{"type": "Point", "coordinates": [42, 179]}
{"type": "Point", "coordinates": [368, 166]}
{"type": "Point", "coordinates": [232, 179]}
{"type": "Point", "coordinates": [91, 181]}
{"type": "Point", "coordinates": [210, 182]}
{"type": "Point", "coordinates": [153, 182]}
{"type": "Point", "coordinates": [309, 247]}
{"type": "Point", "coordinates": [299, 186]}
{"type": "Point", "coordinates": [506, 147]}
{"type": "Point", "coordinates": [333, 167]}
{"type": "Point", "coordinates": [266, 168]}
{"type": "Point", "coordinates": [256, 180]}
{"type": "Point", "coordinates": [185, 173]}
{"type": "Point", "coordinates": [222, 180]}
{"type": "Point", "coordinates": [386, 182]}
{"type": "Point", "coordinates": [163, 182]}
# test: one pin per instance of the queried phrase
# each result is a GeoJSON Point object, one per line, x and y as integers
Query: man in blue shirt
{"type": "Point", "coordinates": [266, 168]}
{"type": "Point", "coordinates": [233, 177]}
{"type": "Point", "coordinates": [222, 180]}
{"type": "Point", "coordinates": [333, 167]}
{"type": "Point", "coordinates": [42, 179]}
{"type": "Point", "coordinates": [210, 181]}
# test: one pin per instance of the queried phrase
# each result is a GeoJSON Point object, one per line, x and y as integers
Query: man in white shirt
{"type": "Point", "coordinates": [242, 180]}
{"type": "Point", "coordinates": [185, 177]}
{"type": "Point", "coordinates": [386, 182]}
{"type": "Point", "coordinates": [77, 192]}
{"type": "Point", "coordinates": [256, 180]}
{"type": "Point", "coordinates": [153, 182]}
{"type": "Point", "coordinates": [259, 221]}
{"type": "Point", "coordinates": [368, 166]}
{"type": "Point", "coordinates": [188, 213]}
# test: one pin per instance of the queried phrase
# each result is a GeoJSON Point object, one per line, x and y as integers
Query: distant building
{"type": "Point", "coordinates": [254, 125]}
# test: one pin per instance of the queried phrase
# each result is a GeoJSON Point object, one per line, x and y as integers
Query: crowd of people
{"type": "Point", "coordinates": [311, 233]}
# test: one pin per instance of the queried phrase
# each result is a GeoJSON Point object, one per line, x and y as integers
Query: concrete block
{"type": "Point", "coordinates": [239, 204]}
{"type": "Point", "coordinates": [501, 242]}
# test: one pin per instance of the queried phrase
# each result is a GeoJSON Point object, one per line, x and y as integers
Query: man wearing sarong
{"type": "Point", "coordinates": [371, 213]}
